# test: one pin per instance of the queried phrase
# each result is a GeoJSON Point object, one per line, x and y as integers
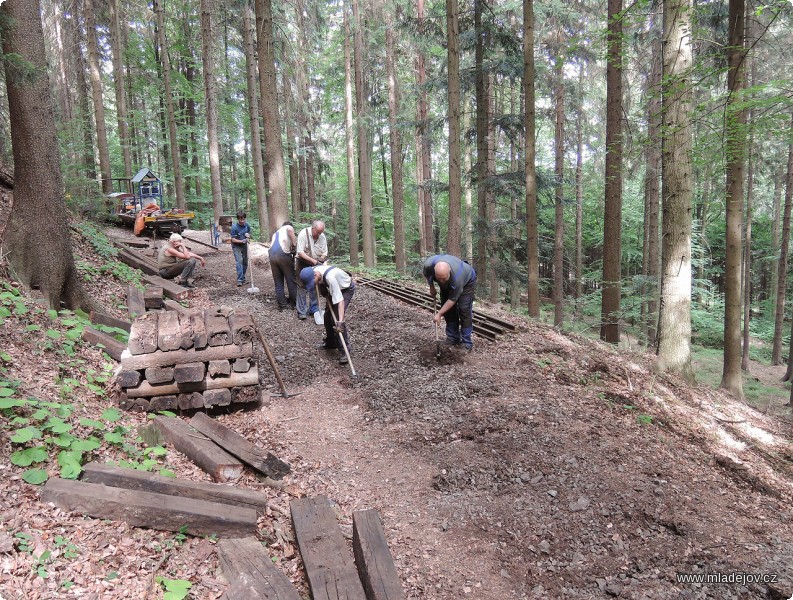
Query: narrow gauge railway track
{"type": "Point", "coordinates": [485, 325]}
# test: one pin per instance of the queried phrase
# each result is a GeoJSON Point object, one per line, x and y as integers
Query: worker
{"type": "Point", "coordinates": [338, 288]}
{"type": "Point", "coordinates": [457, 280]}
{"type": "Point", "coordinates": [306, 279]}
{"type": "Point", "coordinates": [240, 236]}
{"type": "Point", "coordinates": [312, 250]}
{"type": "Point", "coordinates": [176, 262]}
{"type": "Point", "coordinates": [282, 264]}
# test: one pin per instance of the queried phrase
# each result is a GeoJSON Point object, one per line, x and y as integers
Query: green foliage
{"type": "Point", "coordinates": [175, 589]}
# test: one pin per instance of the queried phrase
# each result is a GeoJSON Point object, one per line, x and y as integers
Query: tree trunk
{"type": "Point", "coordinates": [612, 218]}
{"type": "Point", "coordinates": [482, 118]}
{"type": "Point", "coordinates": [579, 197]}
{"type": "Point", "coordinates": [364, 155]}
{"type": "Point", "coordinates": [291, 143]}
{"type": "Point", "coordinates": [423, 148]}
{"type": "Point", "coordinates": [118, 80]}
{"type": "Point", "coordinates": [558, 244]}
{"type": "Point", "coordinates": [779, 178]}
{"type": "Point", "coordinates": [455, 178]}
{"type": "Point", "coordinates": [735, 146]}
{"type": "Point", "coordinates": [674, 322]}
{"type": "Point", "coordinates": [42, 261]}
{"type": "Point", "coordinates": [276, 177]}
{"type": "Point", "coordinates": [248, 20]}
{"type": "Point", "coordinates": [396, 151]}
{"type": "Point", "coordinates": [747, 252]}
{"type": "Point", "coordinates": [96, 94]}
{"type": "Point", "coordinates": [532, 248]}
{"type": "Point", "coordinates": [784, 244]}
{"type": "Point", "coordinates": [173, 140]}
{"type": "Point", "coordinates": [207, 43]}
{"type": "Point", "coordinates": [352, 208]}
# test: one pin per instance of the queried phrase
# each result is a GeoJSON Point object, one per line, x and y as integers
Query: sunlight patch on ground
{"type": "Point", "coordinates": [730, 441]}
{"type": "Point", "coordinates": [759, 434]}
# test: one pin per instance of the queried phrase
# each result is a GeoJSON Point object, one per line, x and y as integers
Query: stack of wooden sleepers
{"type": "Point", "coordinates": [191, 359]}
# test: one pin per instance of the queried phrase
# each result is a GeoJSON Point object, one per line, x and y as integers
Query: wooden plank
{"type": "Point", "coordinates": [199, 448]}
{"type": "Point", "coordinates": [190, 400]}
{"type": "Point", "coordinates": [199, 329]}
{"type": "Point", "coordinates": [329, 567]}
{"type": "Point", "coordinates": [159, 403]}
{"type": "Point", "coordinates": [143, 335]}
{"type": "Point", "coordinates": [169, 288]}
{"type": "Point", "coordinates": [242, 327]}
{"type": "Point", "coordinates": [250, 393]}
{"type": "Point", "coordinates": [219, 368]}
{"type": "Point", "coordinates": [189, 372]}
{"type": "Point", "coordinates": [147, 390]}
{"type": "Point", "coordinates": [135, 303]}
{"type": "Point", "coordinates": [169, 304]}
{"type": "Point", "coordinates": [218, 332]}
{"type": "Point", "coordinates": [124, 243]}
{"type": "Point", "coordinates": [128, 379]}
{"type": "Point", "coordinates": [373, 558]}
{"type": "Point", "coordinates": [169, 335]}
{"type": "Point", "coordinates": [133, 479]}
{"type": "Point", "coordinates": [112, 347]}
{"type": "Point", "coordinates": [159, 375]}
{"type": "Point", "coordinates": [221, 397]}
{"type": "Point", "coordinates": [99, 318]}
{"type": "Point", "coordinates": [165, 359]}
{"type": "Point", "coordinates": [231, 441]}
{"type": "Point", "coordinates": [137, 261]}
{"type": "Point", "coordinates": [152, 297]}
{"type": "Point", "coordinates": [149, 509]}
{"type": "Point", "coordinates": [248, 568]}
{"type": "Point", "coordinates": [241, 365]}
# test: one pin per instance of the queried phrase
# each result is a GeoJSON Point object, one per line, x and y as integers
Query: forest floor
{"type": "Point", "coordinates": [543, 465]}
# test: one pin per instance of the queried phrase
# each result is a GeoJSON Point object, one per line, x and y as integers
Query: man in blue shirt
{"type": "Point", "coordinates": [457, 280]}
{"type": "Point", "coordinates": [240, 236]}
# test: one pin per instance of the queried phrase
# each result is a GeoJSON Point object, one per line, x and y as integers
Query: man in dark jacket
{"type": "Point", "coordinates": [457, 281]}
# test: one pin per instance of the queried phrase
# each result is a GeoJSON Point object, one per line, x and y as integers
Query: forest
{"type": "Point", "coordinates": [616, 169]}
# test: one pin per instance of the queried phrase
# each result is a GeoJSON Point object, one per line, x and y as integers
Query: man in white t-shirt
{"type": "Point", "coordinates": [282, 264]}
{"type": "Point", "coordinates": [312, 250]}
{"type": "Point", "coordinates": [338, 288]}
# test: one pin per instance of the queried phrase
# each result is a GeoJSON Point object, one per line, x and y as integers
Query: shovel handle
{"type": "Point", "coordinates": [434, 314]}
{"type": "Point", "coordinates": [329, 306]}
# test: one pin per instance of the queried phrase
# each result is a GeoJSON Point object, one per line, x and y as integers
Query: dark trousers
{"type": "Point", "coordinates": [183, 268]}
{"type": "Point", "coordinates": [331, 337]}
{"type": "Point", "coordinates": [241, 260]}
{"type": "Point", "coordinates": [460, 319]}
{"type": "Point", "coordinates": [283, 268]}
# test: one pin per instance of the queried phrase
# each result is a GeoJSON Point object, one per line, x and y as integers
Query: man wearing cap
{"type": "Point", "coordinates": [312, 249]}
{"type": "Point", "coordinates": [240, 236]}
{"type": "Point", "coordinates": [176, 262]}
{"type": "Point", "coordinates": [338, 288]}
{"type": "Point", "coordinates": [457, 280]}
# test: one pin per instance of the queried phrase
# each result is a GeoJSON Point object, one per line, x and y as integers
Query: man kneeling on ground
{"type": "Point", "coordinates": [176, 262]}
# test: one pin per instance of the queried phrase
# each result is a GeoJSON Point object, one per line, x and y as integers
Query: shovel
{"type": "Point", "coordinates": [253, 289]}
{"type": "Point", "coordinates": [343, 343]}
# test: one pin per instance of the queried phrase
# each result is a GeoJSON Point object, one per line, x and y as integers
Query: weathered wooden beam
{"type": "Point", "coordinates": [125, 243]}
{"type": "Point", "coordinates": [373, 558]}
{"type": "Point", "coordinates": [137, 261]}
{"type": "Point", "coordinates": [219, 368]}
{"type": "Point", "coordinates": [218, 332]}
{"type": "Point", "coordinates": [160, 403]}
{"type": "Point", "coordinates": [199, 448]}
{"type": "Point", "coordinates": [189, 372]}
{"type": "Point", "coordinates": [143, 335]}
{"type": "Point", "coordinates": [111, 345]}
{"type": "Point", "coordinates": [127, 379]}
{"type": "Point", "coordinates": [169, 288]}
{"type": "Point", "coordinates": [133, 479]}
{"type": "Point", "coordinates": [159, 375]}
{"type": "Point", "coordinates": [99, 318]}
{"type": "Point", "coordinates": [241, 365]}
{"type": "Point", "coordinates": [147, 390]}
{"type": "Point", "coordinates": [219, 397]}
{"type": "Point", "coordinates": [135, 303]}
{"type": "Point", "coordinates": [198, 328]}
{"type": "Point", "coordinates": [152, 297]}
{"type": "Point", "coordinates": [148, 509]}
{"type": "Point", "coordinates": [329, 567]}
{"type": "Point", "coordinates": [236, 444]}
{"type": "Point", "coordinates": [169, 335]}
{"type": "Point", "coordinates": [248, 568]}
{"type": "Point", "coordinates": [242, 327]}
{"type": "Point", "coordinates": [190, 400]}
{"type": "Point", "coordinates": [165, 359]}
{"type": "Point", "coordinates": [173, 305]}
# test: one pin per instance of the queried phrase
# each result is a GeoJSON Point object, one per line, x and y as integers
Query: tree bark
{"type": "Point", "coordinates": [118, 81]}
{"type": "Point", "coordinates": [276, 177]}
{"type": "Point", "coordinates": [173, 139]}
{"type": "Point", "coordinates": [735, 146]}
{"type": "Point", "coordinates": [74, 30]}
{"type": "Point", "coordinates": [453, 72]}
{"type": "Point", "coordinates": [423, 147]}
{"type": "Point", "coordinates": [352, 208]}
{"type": "Point", "coordinates": [210, 97]}
{"type": "Point", "coordinates": [96, 94]}
{"type": "Point", "coordinates": [44, 260]}
{"type": "Point", "coordinates": [558, 243]}
{"type": "Point", "coordinates": [674, 322]}
{"type": "Point", "coordinates": [532, 248]}
{"type": "Point", "coordinates": [612, 218]}
{"type": "Point", "coordinates": [248, 20]}
{"type": "Point", "coordinates": [784, 244]}
{"type": "Point", "coordinates": [396, 151]}
{"type": "Point", "coordinates": [779, 178]}
{"type": "Point", "coordinates": [579, 197]}
{"type": "Point", "coordinates": [364, 155]}
{"type": "Point", "coordinates": [291, 144]}
{"type": "Point", "coordinates": [482, 118]}
{"type": "Point", "coordinates": [747, 252]}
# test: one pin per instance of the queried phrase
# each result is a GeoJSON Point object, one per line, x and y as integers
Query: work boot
{"type": "Point", "coordinates": [302, 317]}
{"type": "Point", "coordinates": [324, 346]}
{"type": "Point", "coordinates": [343, 360]}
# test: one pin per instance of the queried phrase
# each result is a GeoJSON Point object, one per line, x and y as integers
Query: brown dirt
{"type": "Point", "coordinates": [541, 466]}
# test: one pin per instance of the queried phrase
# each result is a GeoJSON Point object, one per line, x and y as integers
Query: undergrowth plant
{"type": "Point", "coordinates": [105, 249]}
